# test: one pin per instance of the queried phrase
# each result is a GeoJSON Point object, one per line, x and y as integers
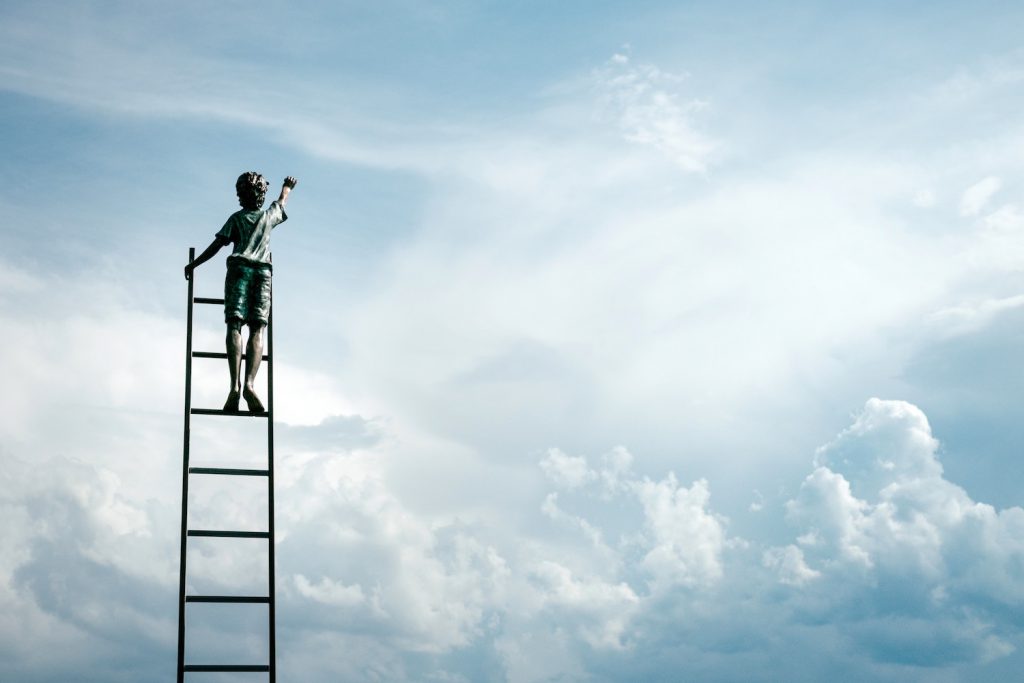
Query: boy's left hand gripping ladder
{"type": "Point", "coordinates": [186, 533]}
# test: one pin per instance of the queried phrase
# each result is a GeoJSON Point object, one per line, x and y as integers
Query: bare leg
{"type": "Point", "coordinates": [253, 355]}
{"type": "Point", "coordinates": [234, 349]}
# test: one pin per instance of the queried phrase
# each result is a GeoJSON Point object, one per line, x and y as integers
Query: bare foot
{"type": "Point", "coordinates": [252, 400]}
{"type": "Point", "coordinates": [231, 405]}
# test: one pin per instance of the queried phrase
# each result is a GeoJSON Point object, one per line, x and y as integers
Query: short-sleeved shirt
{"type": "Point", "coordinates": [249, 232]}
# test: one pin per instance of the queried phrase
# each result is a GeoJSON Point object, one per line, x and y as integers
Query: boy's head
{"type": "Point", "coordinates": [252, 190]}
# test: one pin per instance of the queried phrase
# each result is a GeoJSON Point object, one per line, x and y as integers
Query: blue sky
{"type": "Point", "coordinates": [615, 341]}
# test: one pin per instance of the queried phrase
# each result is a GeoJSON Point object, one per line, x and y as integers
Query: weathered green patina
{"type": "Point", "coordinates": [247, 284]}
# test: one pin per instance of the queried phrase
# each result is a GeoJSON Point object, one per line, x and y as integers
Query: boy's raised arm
{"type": "Point", "coordinates": [207, 254]}
{"type": "Point", "coordinates": [286, 189]}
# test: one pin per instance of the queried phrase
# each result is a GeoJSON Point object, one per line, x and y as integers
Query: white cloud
{"type": "Point", "coordinates": [82, 570]}
{"type": "Point", "coordinates": [550, 508]}
{"type": "Point", "coordinates": [606, 607]}
{"type": "Point", "coordinates": [973, 316]}
{"type": "Point", "coordinates": [789, 563]}
{"type": "Point", "coordinates": [880, 512]}
{"type": "Point", "coordinates": [431, 590]}
{"type": "Point", "coordinates": [616, 466]}
{"type": "Point", "coordinates": [899, 559]}
{"type": "Point", "coordinates": [891, 441]}
{"type": "Point", "coordinates": [686, 538]}
{"type": "Point", "coordinates": [565, 470]}
{"type": "Point", "coordinates": [681, 538]}
{"type": "Point", "coordinates": [977, 196]}
{"type": "Point", "coordinates": [645, 103]}
{"type": "Point", "coordinates": [330, 592]}
{"type": "Point", "coordinates": [1000, 241]}
{"type": "Point", "coordinates": [386, 586]}
{"type": "Point", "coordinates": [538, 657]}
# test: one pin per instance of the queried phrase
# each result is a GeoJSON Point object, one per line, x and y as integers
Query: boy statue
{"type": "Point", "coordinates": [247, 284]}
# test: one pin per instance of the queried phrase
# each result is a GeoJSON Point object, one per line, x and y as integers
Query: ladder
{"type": "Point", "coordinates": [268, 473]}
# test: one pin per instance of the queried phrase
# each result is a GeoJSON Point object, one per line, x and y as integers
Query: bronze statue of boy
{"type": "Point", "coordinates": [247, 284]}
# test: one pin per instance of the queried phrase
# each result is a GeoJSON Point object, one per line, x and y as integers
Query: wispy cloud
{"type": "Point", "coordinates": [978, 195]}
{"type": "Point", "coordinates": [649, 107]}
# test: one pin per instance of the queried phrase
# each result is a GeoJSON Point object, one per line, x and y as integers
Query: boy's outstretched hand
{"type": "Point", "coordinates": [286, 188]}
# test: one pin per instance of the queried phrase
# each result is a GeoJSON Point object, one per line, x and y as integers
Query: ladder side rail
{"type": "Point", "coordinates": [184, 476]}
{"type": "Point", "coordinates": [272, 641]}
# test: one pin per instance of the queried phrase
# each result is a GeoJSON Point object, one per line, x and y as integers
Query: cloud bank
{"type": "Point", "coordinates": [890, 568]}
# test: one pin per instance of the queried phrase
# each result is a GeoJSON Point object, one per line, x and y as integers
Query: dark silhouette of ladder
{"type": "Point", "coordinates": [186, 533]}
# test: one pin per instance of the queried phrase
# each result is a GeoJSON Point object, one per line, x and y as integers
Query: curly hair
{"type": "Point", "coordinates": [252, 190]}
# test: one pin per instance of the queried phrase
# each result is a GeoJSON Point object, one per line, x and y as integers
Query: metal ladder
{"type": "Point", "coordinates": [187, 533]}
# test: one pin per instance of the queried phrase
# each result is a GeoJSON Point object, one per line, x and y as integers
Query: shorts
{"type": "Point", "coordinates": [247, 292]}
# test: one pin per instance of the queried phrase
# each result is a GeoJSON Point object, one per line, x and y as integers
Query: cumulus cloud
{"type": "Point", "coordinates": [686, 539]}
{"type": "Point", "coordinates": [551, 509]}
{"type": "Point", "coordinates": [681, 538]}
{"type": "Point", "coordinates": [565, 470]}
{"type": "Point", "coordinates": [605, 607]}
{"type": "Point", "coordinates": [431, 586]}
{"type": "Point", "coordinates": [790, 565]}
{"type": "Point", "coordinates": [879, 519]}
{"type": "Point", "coordinates": [84, 570]}
{"type": "Point", "coordinates": [903, 562]}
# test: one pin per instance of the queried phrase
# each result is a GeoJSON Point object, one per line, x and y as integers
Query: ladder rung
{"type": "Point", "coordinates": [206, 300]}
{"type": "Point", "coordinates": [215, 354]}
{"type": "Point", "coordinates": [228, 470]}
{"type": "Point", "coordinates": [228, 534]}
{"type": "Point", "coordinates": [227, 667]}
{"type": "Point", "coordinates": [227, 598]}
{"type": "Point", "coordinates": [232, 413]}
